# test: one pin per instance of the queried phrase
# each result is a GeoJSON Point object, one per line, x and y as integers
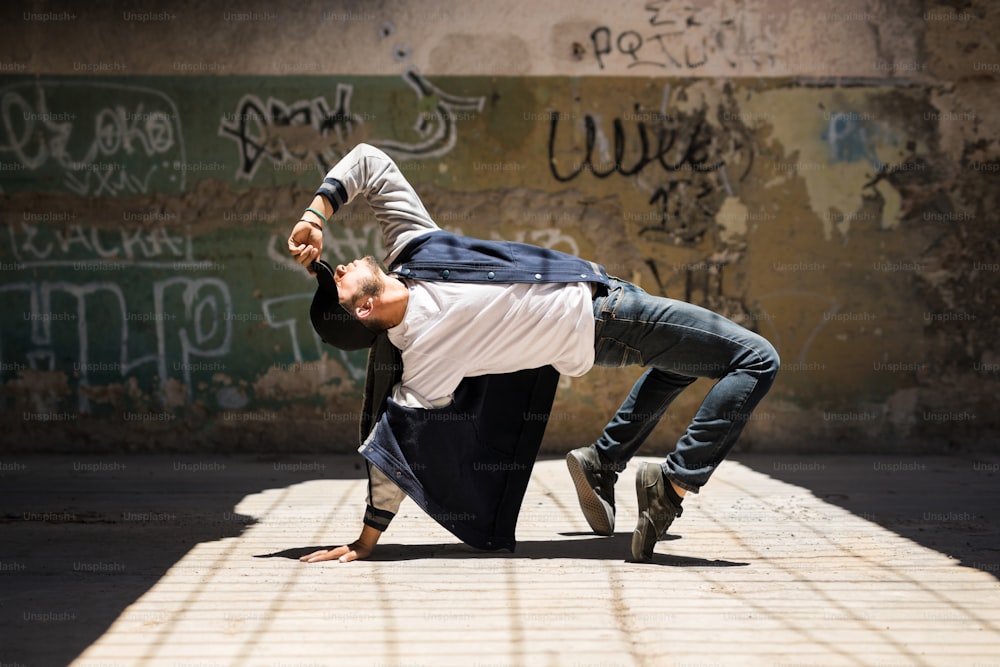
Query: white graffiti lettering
{"type": "Point", "coordinates": [270, 131]}
{"type": "Point", "coordinates": [115, 148]}
{"type": "Point", "coordinates": [40, 245]}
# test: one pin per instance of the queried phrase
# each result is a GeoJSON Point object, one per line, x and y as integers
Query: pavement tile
{"type": "Point", "coordinates": [762, 569]}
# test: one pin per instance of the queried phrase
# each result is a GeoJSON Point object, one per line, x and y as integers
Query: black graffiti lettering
{"type": "Point", "coordinates": [251, 145]}
{"type": "Point", "coordinates": [260, 129]}
{"type": "Point", "coordinates": [703, 284]}
{"type": "Point", "coordinates": [690, 144]}
{"type": "Point", "coordinates": [619, 134]}
{"type": "Point", "coordinates": [655, 7]}
{"type": "Point", "coordinates": [600, 37]}
{"type": "Point", "coordinates": [663, 47]}
{"type": "Point", "coordinates": [339, 123]}
{"type": "Point", "coordinates": [257, 127]}
{"type": "Point", "coordinates": [629, 43]}
{"type": "Point", "coordinates": [690, 35]}
{"type": "Point", "coordinates": [335, 126]}
{"type": "Point", "coordinates": [676, 223]}
{"type": "Point", "coordinates": [697, 152]}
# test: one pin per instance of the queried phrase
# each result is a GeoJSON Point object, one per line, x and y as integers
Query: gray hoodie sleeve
{"type": "Point", "coordinates": [368, 171]}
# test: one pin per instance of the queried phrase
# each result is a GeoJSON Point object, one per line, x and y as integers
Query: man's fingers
{"type": "Point", "coordinates": [327, 554]}
{"type": "Point", "coordinates": [310, 249]}
{"type": "Point", "coordinates": [304, 254]}
{"type": "Point", "coordinates": [295, 249]}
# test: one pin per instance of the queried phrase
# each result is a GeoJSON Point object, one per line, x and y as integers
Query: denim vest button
{"type": "Point", "coordinates": [445, 273]}
{"type": "Point", "coordinates": [491, 275]}
{"type": "Point", "coordinates": [538, 276]}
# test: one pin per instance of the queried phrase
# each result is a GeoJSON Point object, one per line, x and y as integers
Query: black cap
{"type": "Point", "coordinates": [331, 321]}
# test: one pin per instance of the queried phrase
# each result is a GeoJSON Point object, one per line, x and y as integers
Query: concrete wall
{"type": "Point", "coordinates": [824, 173]}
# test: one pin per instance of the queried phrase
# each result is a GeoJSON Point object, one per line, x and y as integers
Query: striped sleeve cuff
{"type": "Point", "coordinates": [334, 192]}
{"type": "Point", "coordinates": [377, 519]}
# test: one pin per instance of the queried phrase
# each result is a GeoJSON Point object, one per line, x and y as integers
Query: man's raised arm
{"type": "Point", "coordinates": [367, 171]}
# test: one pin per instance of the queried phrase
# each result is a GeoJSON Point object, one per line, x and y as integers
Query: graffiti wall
{"type": "Point", "coordinates": [149, 302]}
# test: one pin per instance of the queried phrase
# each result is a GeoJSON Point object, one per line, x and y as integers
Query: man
{"type": "Point", "coordinates": [460, 308]}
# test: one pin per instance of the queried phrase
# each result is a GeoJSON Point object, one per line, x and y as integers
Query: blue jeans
{"type": "Point", "coordinates": [679, 342]}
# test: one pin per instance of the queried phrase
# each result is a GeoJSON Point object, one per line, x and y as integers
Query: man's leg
{"type": "Point", "coordinates": [595, 469]}
{"type": "Point", "coordinates": [680, 342]}
{"type": "Point", "coordinates": [639, 414]}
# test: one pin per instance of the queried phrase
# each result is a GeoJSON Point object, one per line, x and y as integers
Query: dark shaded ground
{"type": "Point", "coordinates": [948, 504]}
{"type": "Point", "coordinates": [83, 538]}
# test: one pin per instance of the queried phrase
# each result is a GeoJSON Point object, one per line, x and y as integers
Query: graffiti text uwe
{"type": "Point", "coordinates": [674, 146]}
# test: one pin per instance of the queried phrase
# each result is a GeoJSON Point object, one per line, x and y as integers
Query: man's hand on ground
{"type": "Point", "coordinates": [357, 550]}
{"type": "Point", "coordinates": [344, 554]}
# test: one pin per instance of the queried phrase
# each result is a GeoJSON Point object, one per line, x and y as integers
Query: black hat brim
{"type": "Point", "coordinates": [332, 322]}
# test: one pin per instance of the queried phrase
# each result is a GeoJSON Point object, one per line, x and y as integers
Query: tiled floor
{"type": "Point", "coordinates": [194, 565]}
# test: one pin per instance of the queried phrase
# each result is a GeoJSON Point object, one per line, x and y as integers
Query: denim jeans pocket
{"type": "Point", "coordinates": [614, 353]}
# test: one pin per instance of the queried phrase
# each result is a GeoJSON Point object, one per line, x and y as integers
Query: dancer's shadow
{"type": "Point", "coordinates": [615, 548]}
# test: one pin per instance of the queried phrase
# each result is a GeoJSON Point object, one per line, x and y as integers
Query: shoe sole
{"type": "Point", "coordinates": [598, 513]}
{"type": "Point", "coordinates": [644, 537]}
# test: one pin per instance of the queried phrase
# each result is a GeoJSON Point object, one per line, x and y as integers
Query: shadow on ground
{"type": "Point", "coordinates": [948, 504]}
{"type": "Point", "coordinates": [590, 547]}
{"type": "Point", "coordinates": [85, 538]}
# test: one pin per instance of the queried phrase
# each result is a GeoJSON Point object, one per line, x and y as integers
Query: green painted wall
{"type": "Point", "coordinates": [149, 302]}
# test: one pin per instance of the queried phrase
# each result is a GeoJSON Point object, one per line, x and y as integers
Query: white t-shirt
{"type": "Point", "coordinates": [456, 330]}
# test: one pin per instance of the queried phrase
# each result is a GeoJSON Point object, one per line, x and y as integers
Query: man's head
{"type": "Point", "coordinates": [360, 286]}
{"type": "Point", "coordinates": [335, 325]}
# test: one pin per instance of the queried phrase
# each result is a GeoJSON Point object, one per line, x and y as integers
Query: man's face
{"type": "Point", "coordinates": [359, 279]}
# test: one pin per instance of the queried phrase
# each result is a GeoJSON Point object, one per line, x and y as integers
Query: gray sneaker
{"type": "Point", "coordinates": [656, 510]}
{"type": "Point", "coordinates": [595, 488]}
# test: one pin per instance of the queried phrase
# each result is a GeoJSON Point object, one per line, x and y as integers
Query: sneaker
{"type": "Point", "coordinates": [595, 488]}
{"type": "Point", "coordinates": [657, 510]}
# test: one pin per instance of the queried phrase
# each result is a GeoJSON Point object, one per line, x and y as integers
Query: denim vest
{"type": "Point", "coordinates": [441, 255]}
{"type": "Point", "coordinates": [468, 465]}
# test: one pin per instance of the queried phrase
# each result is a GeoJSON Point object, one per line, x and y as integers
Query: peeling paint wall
{"type": "Point", "coordinates": [825, 175]}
